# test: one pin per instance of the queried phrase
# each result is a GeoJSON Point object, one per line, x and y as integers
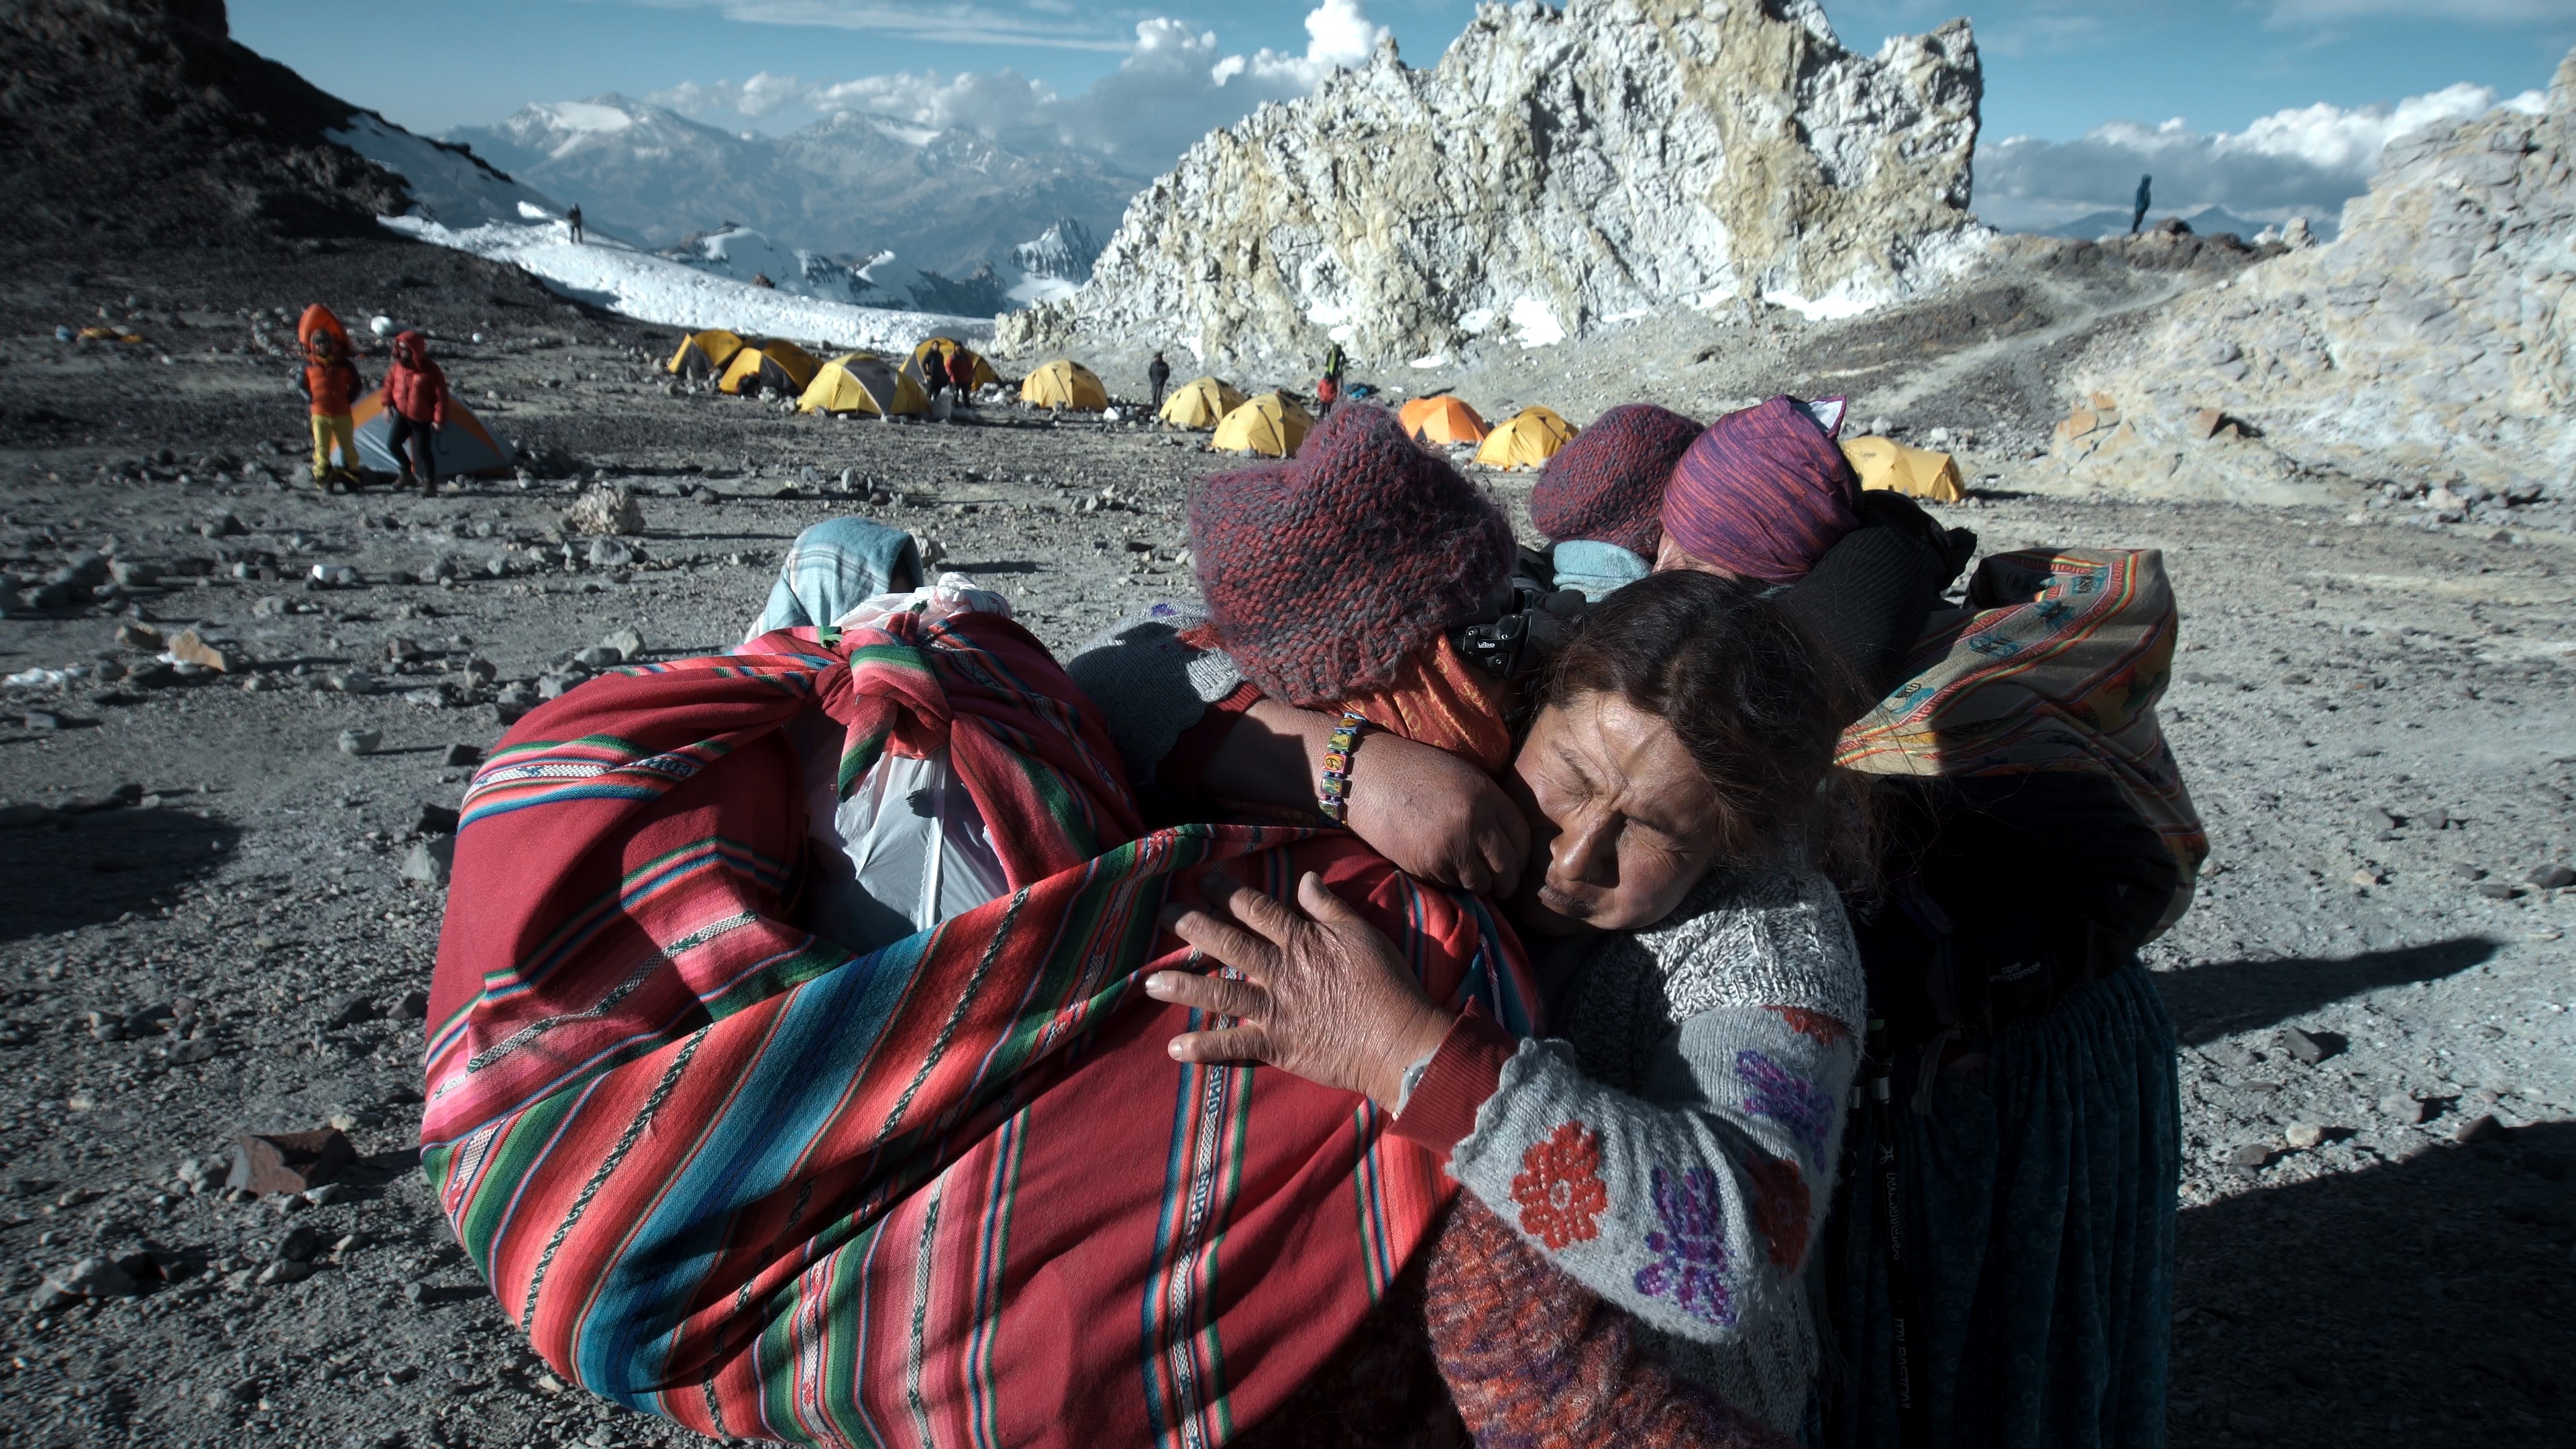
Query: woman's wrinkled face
{"type": "Point", "coordinates": [1622, 819]}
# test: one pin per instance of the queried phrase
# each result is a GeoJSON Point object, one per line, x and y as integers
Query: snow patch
{"type": "Point", "coordinates": [1822, 309]}
{"type": "Point", "coordinates": [674, 293]}
{"type": "Point", "coordinates": [1534, 323]}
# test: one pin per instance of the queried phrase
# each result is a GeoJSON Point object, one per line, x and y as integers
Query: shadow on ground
{"type": "Point", "coordinates": [2212, 1001]}
{"type": "Point", "coordinates": [96, 867]}
{"type": "Point", "coordinates": [2422, 1302]}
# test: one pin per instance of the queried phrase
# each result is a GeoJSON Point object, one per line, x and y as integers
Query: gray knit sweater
{"type": "Point", "coordinates": [1675, 1149]}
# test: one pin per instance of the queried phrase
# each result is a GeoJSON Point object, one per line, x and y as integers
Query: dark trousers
{"type": "Point", "coordinates": [423, 450]}
{"type": "Point", "coordinates": [1158, 392]}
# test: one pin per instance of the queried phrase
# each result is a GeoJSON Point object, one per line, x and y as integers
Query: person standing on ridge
{"type": "Point", "coordinates": [1333, 361]}
{"type": "Point", "coordinates": [416, 392]}
{"type": "Point", "coordinates": [572, 219]}
{"type": "Point", "coordinates": [1158, 375]}
{"type": "Point", "coordinates": [2138, 217]}
{"type": "Point", "coordinates": [330, 383]}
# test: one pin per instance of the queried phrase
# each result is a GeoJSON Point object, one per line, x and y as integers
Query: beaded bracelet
{"type": "Point", "coordinates": [1333, 791]}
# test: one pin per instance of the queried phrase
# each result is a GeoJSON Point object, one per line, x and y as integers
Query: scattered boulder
{"type": "Point", "coordinates": [605, 511]}
{"type": "Point", "coordinates": [289, 1161]}
{"type": "Point", "coordinates": [628, 643]}
{"type": "Point", "coordinates": [429, 862]}
{"type": "Point", "coordinates": [354, 743]}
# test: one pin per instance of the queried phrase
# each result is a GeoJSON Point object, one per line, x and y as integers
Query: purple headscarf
{"type": "Point", "coordinates": [1763, 493]}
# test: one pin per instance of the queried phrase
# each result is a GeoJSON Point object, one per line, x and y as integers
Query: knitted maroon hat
{"type": "Point", "coordinates": [1763, 493]}
{"type": "Point", "coordinates": [1324, 573]}
{"type": "Point", "coordinates": [1608, 484]}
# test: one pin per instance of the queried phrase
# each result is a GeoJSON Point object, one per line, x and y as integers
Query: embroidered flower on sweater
{"type": "Point", "coordinates": [1559, 1188]}
{"type": "Point", "coordinates": [1814, 1024]}
{"type": "Point", "coordinates": [1780, 1208]}
{"type": "Point", "coordinates": [1690, 1261]}
{"type": "Point", "coordinates": [1806, 1109]}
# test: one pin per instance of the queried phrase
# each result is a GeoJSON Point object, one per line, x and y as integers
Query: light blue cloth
{"type": "Point", "coordinates": [834, 566]}
{"type": "Point", "coordinates": [2039, 1206]}
{"type": "Point", "coordinates": [1595, 567]}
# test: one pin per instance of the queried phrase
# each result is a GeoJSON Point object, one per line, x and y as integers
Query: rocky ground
{"type": "Point", "coordinates": [206, 925]}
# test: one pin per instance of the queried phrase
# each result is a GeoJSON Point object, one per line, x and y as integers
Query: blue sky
{"type": "Point", "coordinates": [2055, 69]}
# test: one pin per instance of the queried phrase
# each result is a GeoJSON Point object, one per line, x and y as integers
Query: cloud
{"type": "Point", "coordinates": [1060, 25]}
{"type": "Point", "coordinates": [2301, 162]}
{"type": "Point", "coordinates": [1174, 85]}
{"type": "Point", "coordinates": [2474, 12]}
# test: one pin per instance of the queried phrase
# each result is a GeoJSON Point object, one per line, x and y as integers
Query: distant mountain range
{"type": "Point", "coordinates": [2207, 221]}
{"type": "Point", "coordinates": [942, 220]}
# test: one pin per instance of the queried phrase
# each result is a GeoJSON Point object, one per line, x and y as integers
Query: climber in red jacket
{"type": "Point", "coordinates": [416, 391]}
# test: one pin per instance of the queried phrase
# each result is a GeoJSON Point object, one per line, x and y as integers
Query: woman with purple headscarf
{"type": "Point", "coordinates": [2026, 1126]}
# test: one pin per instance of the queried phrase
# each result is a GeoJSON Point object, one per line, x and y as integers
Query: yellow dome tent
{"type": "Point", "coordinates": [1201, 403]}
{"type": "Point", "coordinates": [1442, 421]}
{"type": "Point", "coordinates": [705, 354]}
{"type": "Point", "coordinates": [948, 347]}
{"type": "Point", "coordinates": [1064, 383]}
{"type": "Point", "coordinates": [1886, 463]}
{"type": "Point", "coordinates": [862, 382]}
{"type": "Point", "coordinates": [771, 366]}
{"type": "Point", "coordinates": [1527, 439]}
{"type": "Point", "coordinates": [1270, 424]}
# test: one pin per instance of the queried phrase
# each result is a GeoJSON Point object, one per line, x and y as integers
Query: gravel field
{"type": "Point", "coordinates": [206, 926]}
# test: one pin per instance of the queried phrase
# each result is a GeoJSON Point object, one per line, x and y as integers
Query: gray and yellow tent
{"type": "Point", "coordinates": [772, 366]}
{"type": "Point", "coordinates": [864, 383]}
{"type": "Point", "coordinates": [1201, 403]}
{"type": "Point", "coordinates": [706, 354]}
{"type": "Point", "coordinates": [1270, 425]}
{"type": "Point", "coordinates": [462, 445]}
{"type": "Point", "coordinates": [1916, 472]}
{"type": "Point", "coordinates": [1064, 383]}
{"type": "Point", "coordinates": [948, 347]}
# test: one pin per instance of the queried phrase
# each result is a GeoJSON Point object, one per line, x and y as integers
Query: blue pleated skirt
{"type": "Point", "coordinates": [2039, 1201]}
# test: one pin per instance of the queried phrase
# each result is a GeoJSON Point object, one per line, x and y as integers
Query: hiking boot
{"type": "Point", "coordinates": [429, 488]}
{"type": "Point", "coordinates": [406, 480]}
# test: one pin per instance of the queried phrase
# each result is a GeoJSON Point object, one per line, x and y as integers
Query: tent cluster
{"type": "Point", "coordinates": [865, 383]}
{"type": "Point", "coordinates": [1272, 425]}
{"type": "Point", "coordinates": [1526, 439]}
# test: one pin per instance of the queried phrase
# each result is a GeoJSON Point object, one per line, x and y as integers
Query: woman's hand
{"type": "Point", "coordinates": [1436, 817]}
{"type": "Point", "coordinates": [1323, 995]}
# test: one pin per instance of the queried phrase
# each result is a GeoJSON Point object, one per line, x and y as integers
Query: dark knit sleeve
{"type": "Point", "coordinates": [1867, 599]}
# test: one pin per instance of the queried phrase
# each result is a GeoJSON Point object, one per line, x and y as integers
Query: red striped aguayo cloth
{"type": "Point", "coordinates": [952, 1193]}
{"type": "Point", "coordinates": [2056, 665]}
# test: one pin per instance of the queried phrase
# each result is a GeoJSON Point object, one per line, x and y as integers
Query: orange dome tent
{"type": "Point", "coordinates": [1442, 421]}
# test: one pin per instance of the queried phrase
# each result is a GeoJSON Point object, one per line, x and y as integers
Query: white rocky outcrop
{"type": "Point", "coordinates": [1557, 169]}
{"type": "Point", "coordinates": [2434, 341]}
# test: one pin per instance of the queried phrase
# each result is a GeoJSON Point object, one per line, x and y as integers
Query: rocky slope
{"type": "Point", "coordinates": [2427, 350]}
{"type": "Point", "coordinates": [125, 121]}
{"type": "Point", "coordinates": [1557, 169]}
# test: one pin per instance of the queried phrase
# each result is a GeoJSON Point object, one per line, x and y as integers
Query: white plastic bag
{"type": "Point", "coordinates": [907, 849]}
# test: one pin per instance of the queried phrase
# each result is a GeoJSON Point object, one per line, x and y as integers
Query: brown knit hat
{"type": "Point", "coordinates": [1324, 573]}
